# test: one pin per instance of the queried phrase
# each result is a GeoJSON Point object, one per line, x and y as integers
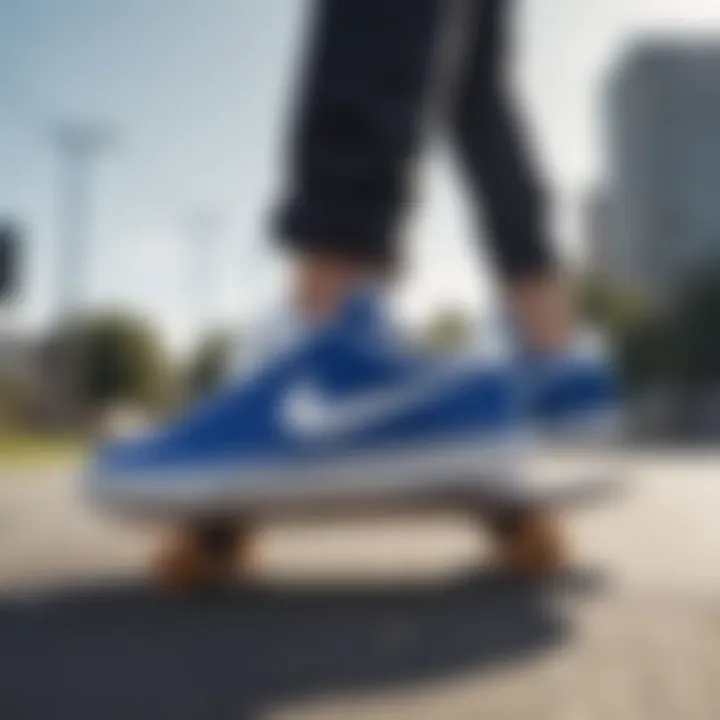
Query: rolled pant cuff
{"type": "Point", "coordinates": [540, 263]}
{"type": "Point", "coordinates": [353, 234]}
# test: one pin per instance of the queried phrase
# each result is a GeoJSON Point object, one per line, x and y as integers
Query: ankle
{"type": "Point", "coordinates": [542, 313]}
{"type": "Point", "coordinates": [324, 282]}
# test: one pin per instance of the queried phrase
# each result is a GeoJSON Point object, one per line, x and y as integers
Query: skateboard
{"type": "Point", "coordinates": [209, 548]}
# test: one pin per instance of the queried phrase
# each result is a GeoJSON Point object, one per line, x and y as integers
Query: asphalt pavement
{"type": "Point", "coordinates": [383, 618]}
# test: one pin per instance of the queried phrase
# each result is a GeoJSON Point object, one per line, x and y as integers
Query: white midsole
{"type": "Point", "coordinates": [593, 427]}
{"type": "Point", "coordinates": [418, 467]}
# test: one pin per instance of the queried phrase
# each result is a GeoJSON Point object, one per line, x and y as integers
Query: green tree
{"type": "Point", "coordinates": [698, 330]}
{"type": "Point", "coordinates": [647, 353]}
{"type": "Point", "coordinates": [113, 357]}
{"type": "Point", "coordinates": [615, 308]}
{"type": "Point", "coordinates": [678, 346]}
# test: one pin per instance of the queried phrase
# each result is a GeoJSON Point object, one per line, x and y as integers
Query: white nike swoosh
{"type": "Point", "coordinates": [309, 412]}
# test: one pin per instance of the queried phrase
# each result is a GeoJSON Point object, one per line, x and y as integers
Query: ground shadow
{"type": "Point", "coordinates": [119, 651]}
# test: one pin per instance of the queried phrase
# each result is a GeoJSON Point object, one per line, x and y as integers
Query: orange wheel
{"type": "Point", "coordinates": [202, 556]}
{"type": "Point", "coordinates": [529, 541]}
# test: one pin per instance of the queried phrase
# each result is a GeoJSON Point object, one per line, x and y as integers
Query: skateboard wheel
{"type": "Point", "coordinates": [201, 556]}
{"type": "Point", "coordinates": [529, 542]}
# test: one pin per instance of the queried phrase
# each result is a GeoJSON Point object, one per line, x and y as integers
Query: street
{"type": "Point", "coordinates": [369, 619]}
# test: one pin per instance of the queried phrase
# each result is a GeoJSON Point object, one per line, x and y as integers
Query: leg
{"type": "Point", "coordinates": [357, 128]}
{"type": "Point", "coordinates": [496, 159]}
{"type": "Point", "coordinates": [497, 163]}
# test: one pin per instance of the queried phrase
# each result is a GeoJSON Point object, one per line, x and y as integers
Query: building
{"type": "Point", "coordinates": [664, 165]}
{"type": "Point", "coordinates": [597, 230]}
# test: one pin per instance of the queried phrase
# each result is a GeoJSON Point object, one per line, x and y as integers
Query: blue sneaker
{"type": "Point", "coordinates": [344, 410]}
{"type": "Point", "coordinates": [573, 393]}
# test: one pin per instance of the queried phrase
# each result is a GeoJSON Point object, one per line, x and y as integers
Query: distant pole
{"type": "Point", "coordinates": [79, 146]}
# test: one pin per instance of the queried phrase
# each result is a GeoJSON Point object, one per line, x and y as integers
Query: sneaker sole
{"type": "Point", "coordinates": [414, 469]}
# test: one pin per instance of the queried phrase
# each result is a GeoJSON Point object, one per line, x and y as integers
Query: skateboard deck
{"type": "Point", "coordinates": [207, 546]}
{"type": "Point", "coordinates": [489, 493]}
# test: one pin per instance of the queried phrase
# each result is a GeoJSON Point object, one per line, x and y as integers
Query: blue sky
{"type": "Point", "coordinates": [198, 91]}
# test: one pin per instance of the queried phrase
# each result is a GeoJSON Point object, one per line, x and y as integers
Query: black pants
{"type": "Point", "coordinates": [372, 67]}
